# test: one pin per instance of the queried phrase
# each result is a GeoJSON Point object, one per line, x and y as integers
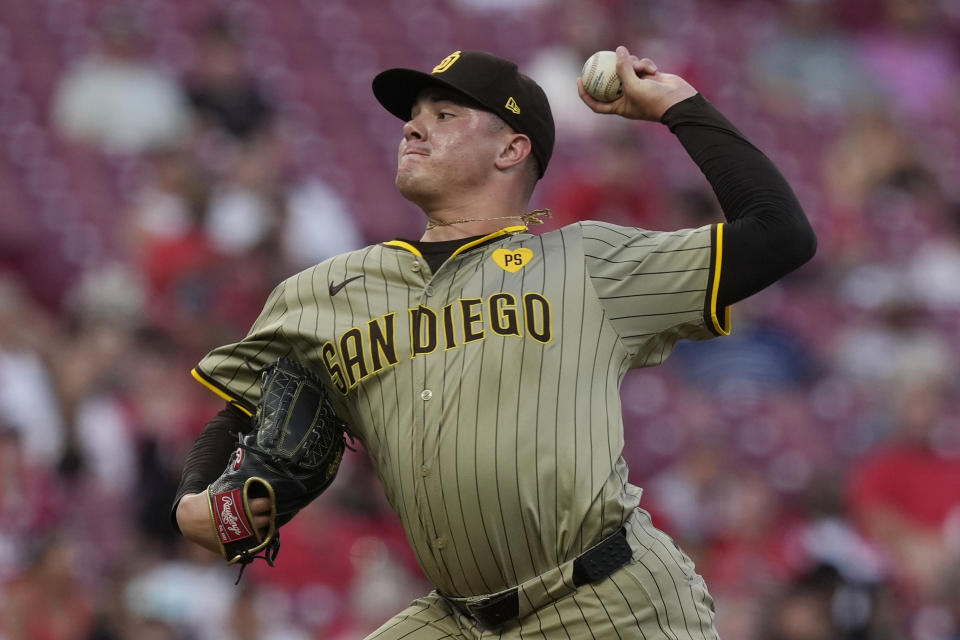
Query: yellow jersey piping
{"type": "Point", "coordinates": [500, 232]}
{"type": "Point", "coordinates": [202, 379]}
{"type": "Point", "coordinates": [400, 244]}
{"type": "Point", "coordinates": [404, 245]}
{"type": "Point", "coordinates": [722, 328]}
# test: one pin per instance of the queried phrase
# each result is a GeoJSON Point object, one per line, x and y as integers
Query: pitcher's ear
{"type": "Point", "coordinates": [515, 150]}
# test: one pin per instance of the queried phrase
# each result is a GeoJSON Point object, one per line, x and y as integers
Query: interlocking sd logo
{"type": "Point", "coordinates": [447, 62]}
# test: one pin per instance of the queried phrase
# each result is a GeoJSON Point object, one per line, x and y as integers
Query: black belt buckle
{"type": "Point", "coordinates": [492, 612]}
{"type": "Point", "coordinates": [602, 560]}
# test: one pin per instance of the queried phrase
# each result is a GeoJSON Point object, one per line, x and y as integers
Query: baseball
{"type": "Point", "coordinates": [599, 75]}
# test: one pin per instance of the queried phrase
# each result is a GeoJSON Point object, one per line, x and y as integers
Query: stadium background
{"type": "Point", "coordinates": [151, 194]}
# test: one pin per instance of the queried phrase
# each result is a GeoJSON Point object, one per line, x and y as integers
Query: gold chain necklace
{"type": "Point", "coordinates": [533, 217]}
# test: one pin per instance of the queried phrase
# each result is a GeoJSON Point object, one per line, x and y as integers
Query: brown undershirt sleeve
{"type": "Point", "coordinates": [209, 453]}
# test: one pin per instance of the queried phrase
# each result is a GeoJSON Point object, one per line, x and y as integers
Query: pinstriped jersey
{"type": "Point", "coordinates": [487, 393]}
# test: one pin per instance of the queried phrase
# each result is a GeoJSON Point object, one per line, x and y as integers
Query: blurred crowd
{"type": "Point", "coordinates": [165, 164]}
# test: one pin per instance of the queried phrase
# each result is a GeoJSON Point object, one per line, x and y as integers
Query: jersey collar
{"type": "Point", "coordinates": [402, 244]}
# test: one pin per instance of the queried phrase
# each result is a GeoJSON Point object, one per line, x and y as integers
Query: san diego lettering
{"type": "Point", "coordinates": [363, 351]}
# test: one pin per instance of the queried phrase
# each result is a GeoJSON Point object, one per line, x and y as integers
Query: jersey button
{"type": "Point", "coordinates": [415, 266]}
{"type": "Point", "coordinates": [424, 471]}
{"type": "Point", "coordinates": [440, 542]}
{"type": "Point", "coordinates": [428, 291]}
{"type": "Point", "coordinates": [426, 394]}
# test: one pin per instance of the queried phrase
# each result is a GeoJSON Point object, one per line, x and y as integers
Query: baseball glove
{"type": "Point", "coordinates": [291, 456]}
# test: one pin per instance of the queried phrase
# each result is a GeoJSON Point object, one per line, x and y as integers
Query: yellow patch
{"type": "Point", "coordinates": [513, 106]}
{"type": "Point", "coordinates": [447, 62]}
{"type": "Point", "coordinates": [512, 260]}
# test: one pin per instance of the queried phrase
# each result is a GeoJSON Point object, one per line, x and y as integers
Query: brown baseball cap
{"type": "Point", "coordinates": [495, 83]}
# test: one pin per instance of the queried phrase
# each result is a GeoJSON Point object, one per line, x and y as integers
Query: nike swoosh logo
{"type": "Point", "coordinates": [335, 288]}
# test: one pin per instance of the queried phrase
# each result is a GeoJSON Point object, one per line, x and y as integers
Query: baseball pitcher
{"type": "Point", "coordinates": [480, 365]}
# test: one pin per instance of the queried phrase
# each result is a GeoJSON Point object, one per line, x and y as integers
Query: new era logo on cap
{"type": "Point", "coordinates": [493, 82]}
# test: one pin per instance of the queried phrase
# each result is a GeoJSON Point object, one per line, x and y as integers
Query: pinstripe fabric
{"type": "Point", "coordinates": [487, 393]}
{"type": "Point", "coordinates": [658, 596]}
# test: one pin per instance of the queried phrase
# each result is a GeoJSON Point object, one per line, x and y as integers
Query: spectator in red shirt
{"type": "Point", "coordinates": [619, 185]}
{"type": "Point", "coordinates": [905, 493]}
{"type": "Point", "coordinates": [48, 602]}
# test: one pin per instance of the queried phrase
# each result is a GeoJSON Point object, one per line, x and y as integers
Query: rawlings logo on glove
{"type": "Point", "coordinates": [231, 526]}
{"type": "Point", "coordinates": [290, 457]}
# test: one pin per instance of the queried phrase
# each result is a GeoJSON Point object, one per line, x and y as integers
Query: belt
{"type": "Point", "coordinates": [592, 565]}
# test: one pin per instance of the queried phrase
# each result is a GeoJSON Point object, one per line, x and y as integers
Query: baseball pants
{"type": "Point", "coordinates": [657, 594]}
